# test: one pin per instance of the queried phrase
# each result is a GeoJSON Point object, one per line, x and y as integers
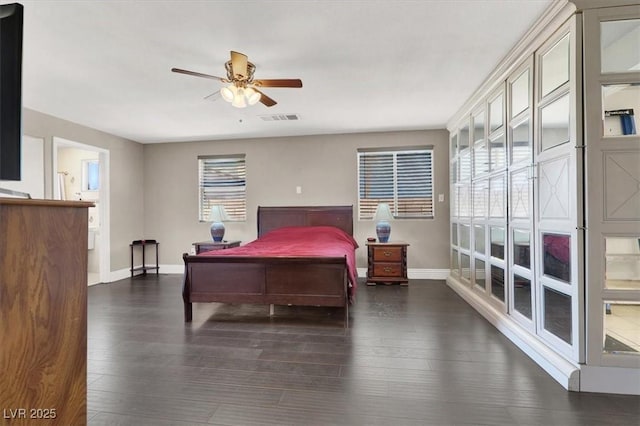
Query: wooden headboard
{"type": "Point", "coordinates": [270, 218]}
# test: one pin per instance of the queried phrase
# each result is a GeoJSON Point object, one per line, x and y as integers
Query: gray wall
{"type": "Point", "coordinates": [324, 166]}
{"type": "Point", "coordinates": [126, 183]}
{"type": "Point", "coordinates": [154, 188]}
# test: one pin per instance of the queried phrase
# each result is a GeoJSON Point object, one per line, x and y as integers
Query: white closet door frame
{"type": "Point", "coordinates": [481, 221]}
{"type": "Point", "coordinates": [514, 119]}
{"type": "Point", "coordinates": [522, 224]}
{"type": "Point", "coordinates": [600, 226]}
{"type": "Point", "coordinates": [558, 192]}
{"type": "Point", "coordinates": [477, 220]}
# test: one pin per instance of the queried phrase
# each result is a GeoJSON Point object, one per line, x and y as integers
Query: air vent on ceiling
{"type": "Point", "coordinates": [280, 117]}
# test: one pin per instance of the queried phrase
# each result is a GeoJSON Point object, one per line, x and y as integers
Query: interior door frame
{"type": "Point", "coordinates": [104, 236]}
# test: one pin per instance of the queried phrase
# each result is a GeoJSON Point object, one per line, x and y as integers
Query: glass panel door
{"type": "Point", "coordinates": [521, 248]}
{"type": "Point", "coordinates": [612, 101]}
{"type": "Point", "coordinates": [558, 207]}
{"type": "Point", "coordinates": [619, 45]}
{"type": "Point", "coordinates": [520, 277]}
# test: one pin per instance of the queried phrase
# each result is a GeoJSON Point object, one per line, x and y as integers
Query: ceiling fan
{"type": "Point", "coordinates": [243, 88]}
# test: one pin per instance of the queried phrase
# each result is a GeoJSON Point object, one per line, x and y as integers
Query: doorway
{"type": "Point", "coordinates": [81, 172]}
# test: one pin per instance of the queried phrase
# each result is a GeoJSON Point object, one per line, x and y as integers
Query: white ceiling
{"type": "Point", "coordinates": [366, 66]}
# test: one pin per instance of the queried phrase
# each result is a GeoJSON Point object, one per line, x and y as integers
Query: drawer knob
{"type": "Point", "coordinates": [387, 253]}
{"type": "Point", "coordinates": [387, 269]}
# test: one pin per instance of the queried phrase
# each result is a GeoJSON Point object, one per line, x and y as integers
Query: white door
{"type": "Point", "coordinates": [612, 97]}
{"type": "Point", "coordinates": [521, 279]}
{"type": "Point", "coordinates": [558, 194]}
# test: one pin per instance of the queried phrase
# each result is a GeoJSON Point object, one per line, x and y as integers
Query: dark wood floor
{"type": "Point", "coordinates": [412, 356]}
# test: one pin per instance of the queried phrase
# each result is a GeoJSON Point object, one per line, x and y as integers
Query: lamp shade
{"type": "Point", "coordinates": [217, 213]}
{"type": "Point", "coordinates": [383, 215]}
{"type": "Point", "coordinates": [239, 100]}
{"type": "Point", "coordinates": [252, 96]}
{"type": "Point", "coordinates": [383, 212]}
{"type": "Point", "coordinates": [228, 93]}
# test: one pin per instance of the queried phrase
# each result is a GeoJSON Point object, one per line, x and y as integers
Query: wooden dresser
{"type": "Point", "coordinates": [387, 263]}
{"type": "Point", "coordinates": [43, 312]}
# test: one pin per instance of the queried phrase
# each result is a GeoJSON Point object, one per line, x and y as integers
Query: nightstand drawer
{"type": "Point", "coordinates": [387, 254]}
{"type": "Point", "coordinates": [387, 270]}
{"type": "Point", "coordinates": [387, 263]}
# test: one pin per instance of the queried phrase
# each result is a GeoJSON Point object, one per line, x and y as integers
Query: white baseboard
{"type": "Point", "coordinates": [172, 269]}
{"type": "Point", "coordinates": [610, 380]}
{"type": "Point", "coordinates": [428, 274]}
{"type": "Point", "coordinates": [562, 370]}
{"type": "Point", "coordinates": [163, 269]}
{"type": "Point", "coordinates": [414, 273]}
{"type": "Point", "coordinates": [120, 274]}
{"type": "Point", "coordinates": [418, 274]}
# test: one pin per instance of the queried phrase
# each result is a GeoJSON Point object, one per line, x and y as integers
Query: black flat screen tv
{"type": "Point", "coordinates": [11, 22]}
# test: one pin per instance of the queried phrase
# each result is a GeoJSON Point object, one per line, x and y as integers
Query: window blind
{"type": "Point", "coordinates": [403, 179]}
{"type": "Point", "coordinates": [223, 180]}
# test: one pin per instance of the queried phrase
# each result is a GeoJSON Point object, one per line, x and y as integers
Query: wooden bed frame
{"type": "Point", "coordinates": [307, 281]}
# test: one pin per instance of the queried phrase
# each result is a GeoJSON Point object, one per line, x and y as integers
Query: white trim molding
{"type": "Point", "coordinates": [121, 274]}
{"type": "Point", "coordinates": [172, 269]}
{"type": "Point", "coordinates": [118, 275]}
{"type": "Point", "coordinates": [428, 274]}
{"type": "Point", "coordinates": [610, 380]}
{"type": "Point", "coordinates": [417, 274]}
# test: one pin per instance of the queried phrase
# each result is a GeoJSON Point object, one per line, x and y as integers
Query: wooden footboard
{"type": "Point", "coordinates": [306, 281]}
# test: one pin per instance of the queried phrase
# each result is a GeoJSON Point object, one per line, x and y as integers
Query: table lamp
{"type": "Point", "coordinates": [383, 215]}
{"type": "Point", "coordinates": [216, 216]}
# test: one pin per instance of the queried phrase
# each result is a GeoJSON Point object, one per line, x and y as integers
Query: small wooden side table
{"type": "Point", "coordinates": [144, 268]}
{"type": "Point", "coordinates": [203, 246]}
{"type": "Point", "coordinates": [387, 263]}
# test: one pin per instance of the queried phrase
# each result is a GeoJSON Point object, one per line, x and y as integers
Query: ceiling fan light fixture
{"type": "Point", "coordinates": [239, 100]}
{"type": "Point", "coordinates": [241, 89]}
{"type": "Point", "coordinates": [228, 93]}
{"type": "Point", "coordinates": [252, 96]}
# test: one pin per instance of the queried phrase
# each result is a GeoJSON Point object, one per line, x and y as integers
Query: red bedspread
{"type": "Point", "coordinates": [305, 241]}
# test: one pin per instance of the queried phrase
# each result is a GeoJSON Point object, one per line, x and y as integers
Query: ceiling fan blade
{"type": "Point", "coordinates": [265, 100]}
{"type": "Point", "coordinates": [213, 97]}
{"type": "Point", "coordinates": [278, 82]}
{"type": "Point", "coordinates": [239, 65]}
{"type": "Point", "coordinates": [198, 74]}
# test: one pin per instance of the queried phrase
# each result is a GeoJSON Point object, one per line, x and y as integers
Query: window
{"type": "Point", "coordinates": [402, 178]}
{"type": "Point", "coordinates": [223, 180]}
{"type": "Point", "coordinates": [90, 175]}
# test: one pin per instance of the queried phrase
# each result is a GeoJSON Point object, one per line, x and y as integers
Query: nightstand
{"type": "Point", "coordinates": [203, 246]}
{"type": "Point", "coordinates": [387, 263]}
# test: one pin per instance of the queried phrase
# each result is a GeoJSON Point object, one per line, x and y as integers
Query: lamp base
{"type": "Point", "coordinates": [217, 231]}
{"type": "Point", "coordinates": [383, 229]}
